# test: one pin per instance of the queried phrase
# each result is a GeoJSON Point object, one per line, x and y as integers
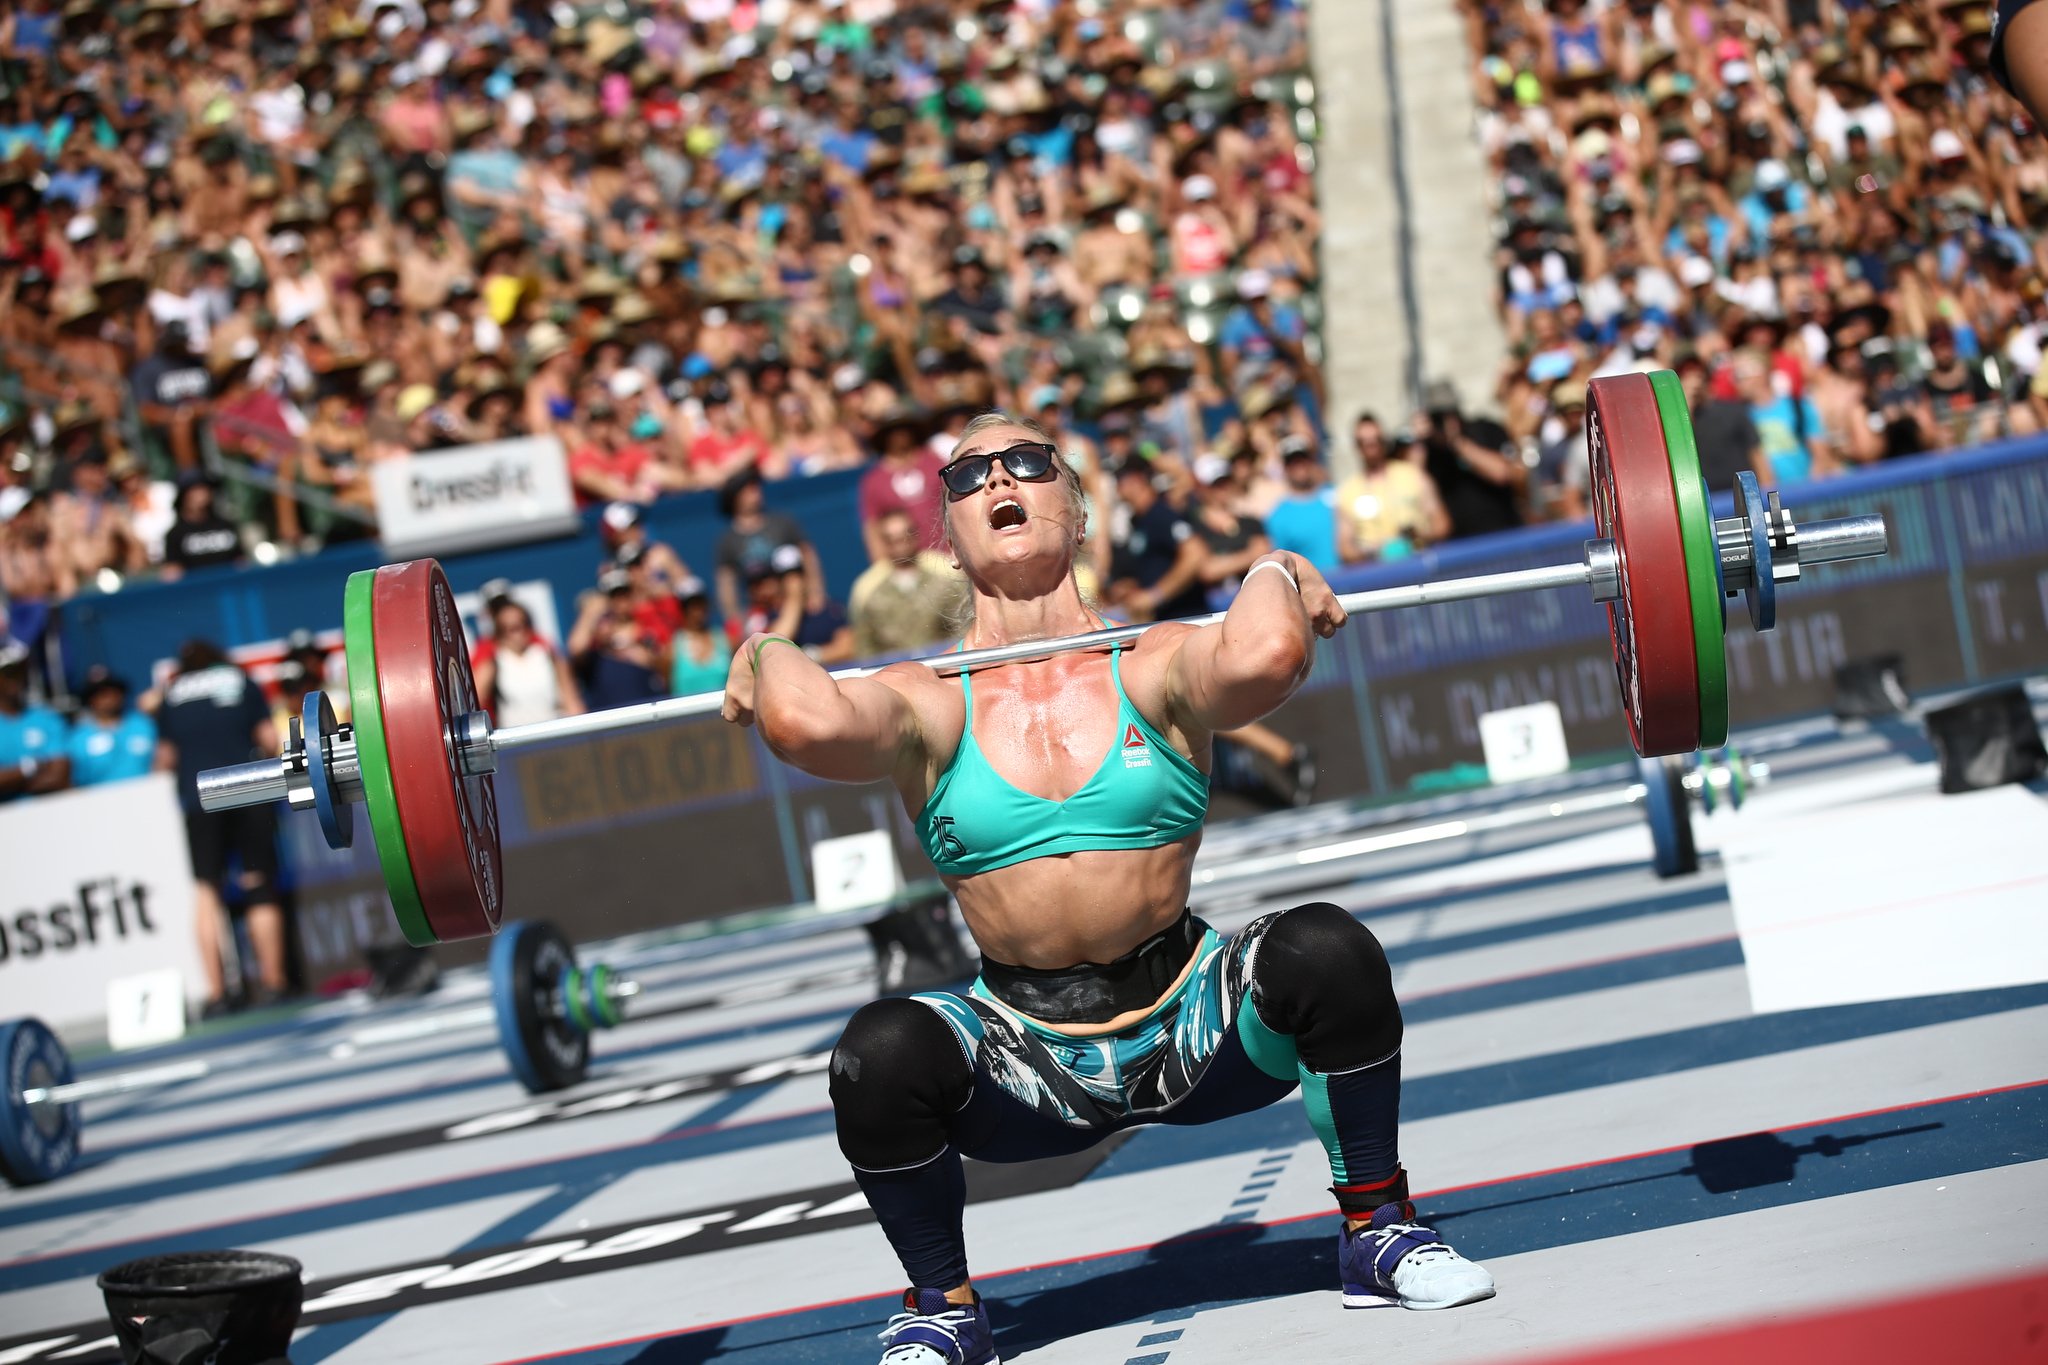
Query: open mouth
{"type": "Point", "coordinates": [1006, 514]}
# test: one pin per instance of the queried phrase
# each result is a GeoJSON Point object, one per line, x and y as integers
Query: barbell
{"type": "Point", "coordinates": [419, 751]}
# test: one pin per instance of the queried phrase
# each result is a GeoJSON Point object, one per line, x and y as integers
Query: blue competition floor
{"type": "Point", "coordinates": [1591, 1107]}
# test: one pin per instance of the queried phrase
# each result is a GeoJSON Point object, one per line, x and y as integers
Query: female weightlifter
{"type": "Point", "coordinates": [1062, 801]}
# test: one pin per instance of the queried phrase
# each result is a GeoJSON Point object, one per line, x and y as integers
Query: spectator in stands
{"type": "Point", "coordinates": [623, 527]}
{"type": "Point", "coordinates": [610, 464]}
{"type": "Point", "coordinates": [1722, 429]}
{"type": "Point", "coordinates": [911, 599]}
{"type": "Point", "coordinates": [34, 573]}
{"type": "Point", "coordinates": [1389, 509]}
{"type": "Point", "coordinates": [905, 479]}
{"type": "Point", "coordinates": [727, 446]}
{"type": "Point", "coordinates": [33, 741]}
{"type": "Point", "coordinates": [1789, 429]}
{"type": "Point", "coordinates": [1231, 541]}
{"type": "Point", "coordinates": [1476, 469]}
{"type": "Point", "coordinates": [776, 604]}
{"type": "Point", "coordinates": [90, 522]}
{"type": "Point", "coordinates": [752, 536]}
{"type": "Point", "coordinates": [1305, 521]}
{"type": "Point", "coordinates": [618, 660]}
{"type": "Point", "coordinates": [1563, 479]}
{"type": "Point", "coordinates": [172, 389]}
{"type": "Point", "coordinates": [1156, 566]}
{"type": "Point", "coordinates": [700, 656]}
{"type": "Point", "coordinates": [213, 714]}
{"type": "Point", "coordinates": [200, 537]}
{"type": "Point", "coordinates": [110, 740]}
{"type": "Point", "coordinates": [521, 677]}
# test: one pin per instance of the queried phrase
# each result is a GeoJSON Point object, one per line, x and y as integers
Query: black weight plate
{"type": "Point", "coordinates": [529, 961]}
{"type": "Point", "coordinates": [38, 1142]}
{"type": "Point", "coordinates": [1674, 852]}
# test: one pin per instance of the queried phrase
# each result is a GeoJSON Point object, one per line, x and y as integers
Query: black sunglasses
{"type": "Point", "coordinates": [1032, 462]}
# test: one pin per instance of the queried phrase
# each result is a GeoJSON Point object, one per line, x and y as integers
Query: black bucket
{"type": "Point", "coordinates": [205, 1308]}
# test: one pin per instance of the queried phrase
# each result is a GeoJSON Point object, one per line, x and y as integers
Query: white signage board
{"type": "Point", "coordinates": [855, 870]}
{"type": "Point", "coordinates": [145, 1009]}
{"type": "Point", "coordinates": [1524, 742]}
{"type": "Point", "coordinates": [98, 887]}
{"type": "Point", "coordinates": [494, 493]}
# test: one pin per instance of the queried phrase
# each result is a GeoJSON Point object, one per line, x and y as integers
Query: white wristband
{"type": "Point", "coordinates": [1277, 567]}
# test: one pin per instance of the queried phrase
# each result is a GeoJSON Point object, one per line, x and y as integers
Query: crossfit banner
{"type": "Point", "coordinates": [471, 497]}
{"type": "Point", "coordinates": [98, 886]}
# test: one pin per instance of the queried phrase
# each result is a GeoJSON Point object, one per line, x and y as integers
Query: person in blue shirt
{"type": "Point", "coordinates": [1305, 521]}
{"type": "Point", "coordinates": [32, 757]}
{"type": "Point", "coordinates": [1789, 428]}
{"type": "Point", "coordinates": [110, 740]}
{"type": "Point", "coordinates": [1773, 194]}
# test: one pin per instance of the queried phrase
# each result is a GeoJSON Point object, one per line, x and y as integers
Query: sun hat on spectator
{"type": "Point", "coordinates": [1567, 393]}
{"type": "Point", "coordinates": [82, 312]}
{"type": "Point", "coordinates": [1118, 390]}
{"type": "Point", "coordinates": [1197, 188]}
{"type": "Point", "coordinates": [901, 417]}
{"type": "Point", "coordinates": [690, 588]}
{"type": "Point", "coordinates": [545, 341]}
{"type": "Point", "coordinates": [413, 400]}
{"type": "Point", "coordinates": [1944, 145]}
{"type": "Point", "coordinates": [1902, 35]}
{"type": "Point", "coordinates": [618, 518]}
{"type": "Point", "coordinates": [13, 655]}
{"type": "Point", "coordinates": [614, 579]}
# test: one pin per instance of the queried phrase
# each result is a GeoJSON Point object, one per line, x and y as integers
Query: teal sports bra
{"type": "Point", "coordinates": [1145, 794]}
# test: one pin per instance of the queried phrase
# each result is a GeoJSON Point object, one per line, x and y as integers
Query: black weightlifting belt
{"type": "Point", "coordinates": [1092, 992]}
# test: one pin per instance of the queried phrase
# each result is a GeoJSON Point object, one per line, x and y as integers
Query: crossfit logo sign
{"type": "Point", "coordinates": [495, 493]}
{"type": "Point", "coordinates": [100, 911]}
{"type": "Point", "coordinates": [98, 887]}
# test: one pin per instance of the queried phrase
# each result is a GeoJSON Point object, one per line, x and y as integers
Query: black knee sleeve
{"type": "Point", "coordinates": [899, 1076]}
{"type": "Point", "coordinates": [1323, 977]}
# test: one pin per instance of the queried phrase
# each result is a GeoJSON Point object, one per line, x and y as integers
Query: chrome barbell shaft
{"type": "Point", "coordinates": [1032, 651]}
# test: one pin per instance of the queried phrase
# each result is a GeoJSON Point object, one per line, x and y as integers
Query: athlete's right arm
{"type": "Point", "coordinates": [843, 729]}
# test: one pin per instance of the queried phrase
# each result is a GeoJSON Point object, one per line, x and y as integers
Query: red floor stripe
{"type": "Point", "coordinates": [2005, 1323]}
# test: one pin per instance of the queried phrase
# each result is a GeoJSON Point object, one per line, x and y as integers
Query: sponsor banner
{"type": "Point", "coordinates": [485, 1270]}
{"type": "Point", "coordinates": [98, 886]}
{"type": "Point", "coordinates": [494, 493]}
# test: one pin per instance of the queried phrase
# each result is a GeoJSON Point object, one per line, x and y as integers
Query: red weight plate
{"type": "Point", "coordinates": [1651, 622]}
{"type": "Point", "coordinates": [424, 681]}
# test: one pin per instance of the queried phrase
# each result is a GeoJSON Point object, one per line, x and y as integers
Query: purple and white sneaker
{"type": "Point", "coordinates": [1397, 1260]}
{"type": "Point", "coordinates": [932, 1331]}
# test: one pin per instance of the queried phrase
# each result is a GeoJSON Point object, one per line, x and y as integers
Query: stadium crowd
{"type": "Point", "coordinates": [1825, 214]}
{"type": "Point", "coordinates": [281, 244]}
